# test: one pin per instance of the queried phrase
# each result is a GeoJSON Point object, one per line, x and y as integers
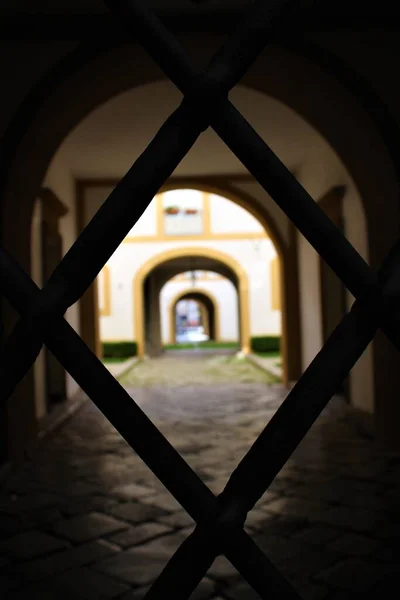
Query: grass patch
{"type": "Point", "coordinates": [115, 359]}
{"type": "Point", "coordinates": [119, 349]}
{"type": "Point", "coordinates": [209, 344]}
{"type": "Point", "coordinates": [271, 354]}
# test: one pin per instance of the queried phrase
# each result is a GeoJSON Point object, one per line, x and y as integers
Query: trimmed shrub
{"type": "Point", "coordinates": [266, 343]}
{"type": "Point", "coordinates": [119, 349]}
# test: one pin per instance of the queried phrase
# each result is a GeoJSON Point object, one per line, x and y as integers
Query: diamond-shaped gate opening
{"type": "Point", "coordinates": [219, 520]}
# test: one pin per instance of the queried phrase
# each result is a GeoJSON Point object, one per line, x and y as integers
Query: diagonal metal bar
{"type": "Point", "coordinates": [314, 389]}
{"type": "Point", "coordinates": [195, 555]}
{"type": "Point", "coordinates": [110, 397]}
{"type": "Point", "coordinates": [231, 506]}
{"type": "Point", "coordinates": [99, 240]}
{"type": "Point", "coordinates": [284, 432]}
{"type": "Point", "coordinates": [231, 61]}
{"type": "Point", "coordinates": [118, 214]}
{"type": "Point", "coordinates": [256, 156]}
{"type": "Point", "coordinates": [136, 428]}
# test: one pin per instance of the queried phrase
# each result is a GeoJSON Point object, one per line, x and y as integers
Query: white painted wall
{"type": "Point", "coordinates": [318, 175]}
{"type": "Point", "coordinates": [253, 256]}
{"type": "Point", "coordinates": [228, 217]}
{"type": "Point", "coordinates": [266, 203]}
{"type": "Point", "coordinates": [362, 374]}
{"type": "Point", "coordinates": [310, 301]}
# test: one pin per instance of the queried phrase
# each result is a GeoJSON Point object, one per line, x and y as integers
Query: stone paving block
{"type": "Point", "coordinates": [11, 525]}
{"type": "Point", "coordinates": [346, 492]}
{"type": "Point", "coordinates": [79, 488]}
{"type": "Point", "coordinates": [241, 591]}
{"type": "Point", "coordinates": [142, 564]}
{"type": "Point", "coordinates": [317, 535]}
{"type": "Point", "coordinates": [389, 530]}
{"type": "Point", "coordinates": [330, 489]}
{"type": "Point", "coordinates": [353, 544]}
{"type": "Point", "coordinates": [76, 556]}
{"type": "Point", "coordinates": [29, 502]}
{"type": "Point", "coordinates": [136, 593]}
{"type": "Point", "coordinates": [296, 508]}
{"type": "Point", "coordinates": [87, 584]}
{"type": "Point", "coordinates": [389, 586]}
{"type": "Point", "coordinates": [266, 498]}
{"type": "Point", "coordinates": [6, 584]}
{"type": "Point", "coordinates": [353, 575]}
{"type": "Point", "coordinates": [309, 590]}
{"type": "Point", "coordinates": [131, 491]}
{"type": "Point", "coordinates": [386, 552]}
{"type": "Point", "coordinates": [165, 502]}
{"type": "Point", "coordinates": [217, 485]}
{"type": "Point", "coordinates": [166, 545]}
{"type": "Point", "coordinates": [310, 562]}
{"type": "Point", "coordinates": [31, 544]}
{"type": "Point", "coordinates": [136, 513]}
{"type": "Point", "coordinates": [283, 526]}
{"type": "Point", "coordinates": [46, 517]}
{"type": "Point", "coordinates": [79, 584]}
{"type": "Point", "coordinates": [204, 591]}
{"type": "Point", "coordinates": [4, 563]}
{"type": "Point", "coordinates": [139, 534]}
{"type": "Point", "coordinates": [177, 519]}
{"type": "Point", "coordinates": [222, 569]}
{"type": "Point", "coordinates": [132, 566]}
{"type": "Point", "coordinates": [88, 527]}
{"type": "Point", "coordinates": [358, 520]}
{"type": "Point", "coordinates": [279, 549]}
{"type": "Point", "coordinates": [258, 519]}
{"type": "Point", "coordinates": [282, 485]}
{"type": "Point", "coordinates": [83, 504]}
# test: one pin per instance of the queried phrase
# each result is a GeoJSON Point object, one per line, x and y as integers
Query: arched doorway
{"type": "Point", "coordinates": [358, 142]}
{"type": "Point", "coordinates": [252, 244]}
{"type": "Point", "coordinates": [209, 310]}
{"type": "Point", "coordinates": [146, 314]}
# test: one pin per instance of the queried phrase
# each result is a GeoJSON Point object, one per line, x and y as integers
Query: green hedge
{"type": "Point", "coordinates": [266, 343]}
{"type": "Point", "coordinates": [119, 349]}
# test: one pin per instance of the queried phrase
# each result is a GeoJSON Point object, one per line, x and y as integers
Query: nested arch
{"type": "Point", "coordinates": [287, 266]}
{"type": "Point", "coordinates": [118, 60]}
{"type": "Point", "coordinates": [192, 251]}
{"type": "Point", "coordinates": [197, 293]}
{"type": "Point", "coordinates": [351, 132]}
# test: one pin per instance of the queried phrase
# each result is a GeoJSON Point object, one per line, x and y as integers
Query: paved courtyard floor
{"type": "Point", "coordinates": [84, 519]}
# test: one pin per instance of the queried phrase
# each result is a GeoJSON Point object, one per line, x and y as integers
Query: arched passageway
{"type": "Point", "coordinates": [208, 308]}
{"type": "Point", "coordinates": [352, 156]}
{"type": "Point", "coordinates": [154, 274]}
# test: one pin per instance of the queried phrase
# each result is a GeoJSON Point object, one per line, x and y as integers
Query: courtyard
{"type": "Point", "coordinates": [83, 518]}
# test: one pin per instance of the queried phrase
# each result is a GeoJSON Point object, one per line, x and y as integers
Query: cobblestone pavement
{"type": "Point", "coordinates": [84, 519]}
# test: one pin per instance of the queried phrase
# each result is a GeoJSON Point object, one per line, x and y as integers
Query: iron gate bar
{"type": "Point", "coordinates": [7, 269]}
{"type": "Point", "coordinates": [232, 60]}
{"type": "Point", "coordinates": [289, 425]}
{"type": "Point", "coordinates": [20, 294]}
{"type": "Point", "coordinates": [257, 157]}
{"type": "Point", "coordinates": [136, 428]}
{"type": "Point", "coordinates": [66, 266]}
{"type": "Point", "coordinates": [54, 296]}
{"type": "Point", "coordinates": [117, 215]}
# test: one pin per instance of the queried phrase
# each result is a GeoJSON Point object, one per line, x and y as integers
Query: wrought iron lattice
{"type": "Point", "coordinates": [220, 520]}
